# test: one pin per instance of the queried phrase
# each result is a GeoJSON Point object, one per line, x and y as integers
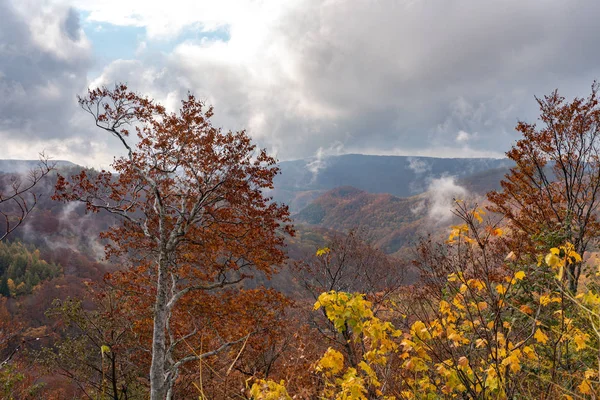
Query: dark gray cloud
{"type": "Point", "coordinates": [71, 25]}
{"type": "Point", "coordinates": [447, 78]}
{"type": "Point", "coordinates": [43, 65]}
{"type": "Point", "coordinates": [413, 77]}
{"type": "Point", "coordinates": [430, 77]}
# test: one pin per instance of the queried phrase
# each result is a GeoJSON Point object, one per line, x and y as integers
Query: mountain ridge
{"type": "Point", "coordinates": [18, 166]}
{"type": "Point", "coordinates": [302, 181]}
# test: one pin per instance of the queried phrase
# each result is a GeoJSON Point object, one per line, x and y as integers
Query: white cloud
{"type": "Point", "coordinates": [462, 137]}
{"type": "Point", "coordinates": [378, 77]}
{"type": "Point", "coordinates": [319, 161]}
{"type": "Point", "coordinates": [54, 28]}
{"type": "Point", "coordinates": [165, 20]}
{"type": "Point", "coordinates": [441, 193]}
{"type": "Point", "coordinates": [418, 165]}
{"type": "Point", "coordinates": [44, 58]}
{"type": "Point", "coordinates": [82, 151]}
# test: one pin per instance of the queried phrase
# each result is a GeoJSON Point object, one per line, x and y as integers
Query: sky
{"type": "Point", "coordinates": [305, 78]}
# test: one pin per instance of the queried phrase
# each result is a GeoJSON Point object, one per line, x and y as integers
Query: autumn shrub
{"type": "Point", "coordinates": [488, 324]}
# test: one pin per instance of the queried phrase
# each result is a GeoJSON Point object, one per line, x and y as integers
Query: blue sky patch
{"type": "Point", "coordinates": [113, 42]}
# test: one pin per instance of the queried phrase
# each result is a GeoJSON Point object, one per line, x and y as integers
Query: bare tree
{"type": "Point", "coordinates": [349, 264]}
{"type": "Point", "coordinates": [18, 197]}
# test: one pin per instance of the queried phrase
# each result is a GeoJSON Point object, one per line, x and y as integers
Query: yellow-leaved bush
{"type": "Point", "coordinates": [494, 333]}
{"type": "Point", "coordinates": [268, 390]}
{"type": "Point", "coordinates": [351, 313]}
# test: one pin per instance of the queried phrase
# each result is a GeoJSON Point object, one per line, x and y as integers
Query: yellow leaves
{"type": "Point", "coordinates": [323, 251]}
{"type": "Point", "coordinates": [559, 257]}
{"type": "Point", "coordinates": [419, 330]}
{"type": "Point", "coordinates": [584, 387]}
{"type": "Point", "coordinates": [540, 336]}
{"type": "Point", "coordinates": [457, 301]}
{"type": "Point", "coordinates": [501, 289]}
{"type": "Point", "coordinates": [591, 298]}
{"type": "Point", "coordinates": [370, 373]}
{"type": "Point", "coordinates": [331, 363]}
{"type": "Point", "coordinates": [552, 260]}
{"type": "Point", "coordinates": [456, 337]}
{"type": "Point", "coordinates": [545, 300]}
{"type": "Point", "coordinates": [526, 309]}
{"type": "Point", "coordinates": [491, 380]}
{"type": "Point", "coordinates": [416, 364]}
{"type": "Point", "coordinates": [477, 215]}
{"type": "Point", "coordinates": [453, 277]}
{"type": "Point", "coordinates": [540, 260]}
{"type": "Point", "coordinates": [529, 353]}
{"type": "Point", "coordinates": [104, 349]}
{"type": "Point", "coordinates": [445, 307]}
{"type": "Point", "coordinates": [269, 390]}
{"type": "Point", "coordinates": [497, 232]}
{"type": "Point", "coordinates": [463, 363]}
{"type": "Point", "coordinates": [352, 312]}
{"type": "Point", "coordinates": [513, 361]}
{"type": "Point", "coordinates": [476, 284]}
{"type": "Point", "coordinates": [345, 310]}
{"type": "Point", "coordinates": [572, 256]}
{"type": "Point", "coordinates": [351, 386]}
{"type": "Point", "coordinates": [485, 346]}
{"type": "Point", "coordinates": [580, 340]}
{"type": "Point", "coordinates": [561, 271]}
{"type": "Point", "coordinates": [469, 240]}
{"type": "Point", "coordinates": [590, 373]}
{"type": "Point", "coordinates": [520, 275]}
{"type": "Point", "coordinates": [457, 232]}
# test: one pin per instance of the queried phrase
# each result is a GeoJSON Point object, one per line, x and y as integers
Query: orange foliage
{"type": "Point", "coordinates": [194, 215]}
{"type": "Point", "coordinates": [555, 186]}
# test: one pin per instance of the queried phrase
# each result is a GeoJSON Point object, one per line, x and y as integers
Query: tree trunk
{"type": "Point", "coordinates": [573, 272]}
{"type": "Point", "coordinates": [158, 384]}
{"type": "Point", "coordinates": [113, 361]}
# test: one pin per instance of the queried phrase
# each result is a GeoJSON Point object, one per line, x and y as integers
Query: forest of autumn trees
{"type": "Point", "coordinates": [508, 306]}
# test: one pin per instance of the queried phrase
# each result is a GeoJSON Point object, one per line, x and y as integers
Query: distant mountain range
{"type": "Point", "coordinates": [394, 198]}
{"type": "Point", "coordinates": [394, 223]}
{"type": "Point", "coordinates": [302, 181]}
{"type": "Point", "coordinates": [20, 166]}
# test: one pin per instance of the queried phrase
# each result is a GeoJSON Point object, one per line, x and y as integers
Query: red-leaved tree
{"type": "Point", "coordinates": [554, 187]}
{"type": "Point", "coordinates": [194, 214]}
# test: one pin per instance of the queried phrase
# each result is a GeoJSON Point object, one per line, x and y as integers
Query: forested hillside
{"type": "Point", "coordinates": [394, 224]}
{"type": "Point", "coordinates": [22, 269]}
{"type": "Point", "coordinates": [391, 222]}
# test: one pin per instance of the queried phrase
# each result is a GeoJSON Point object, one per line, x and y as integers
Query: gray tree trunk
{"type": "Point", "coordinates": [158, 384]}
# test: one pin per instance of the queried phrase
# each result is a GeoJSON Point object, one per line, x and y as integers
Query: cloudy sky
{"type": "Point", "coordinates": [443, 78]}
